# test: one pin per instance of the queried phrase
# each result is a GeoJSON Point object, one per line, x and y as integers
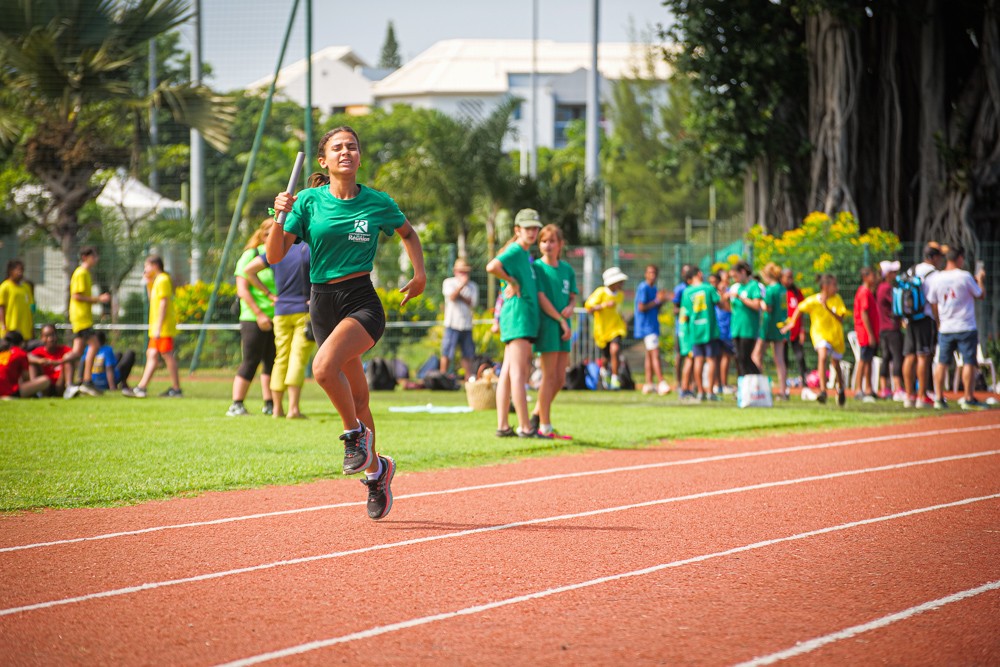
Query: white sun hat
{"type": "Point", "coordinates": [613, 276]}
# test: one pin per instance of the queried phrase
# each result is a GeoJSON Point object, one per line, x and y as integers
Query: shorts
{"type": "Point", "coordinates": [257, 347]}
{"type": "Point", "coordinates": [726, 346]}
{"type": "Point", "coordinates": [919, 337]}
{"type": "Point", "coordinates": [829, 346]}
{"type": "Point", "coordinates": [651, 342]}
{"type": "Point", "coordinates": [84, 333]}
{"type": "Point", "coordinates": [606, 350]}
{"type": "Point", "coordinates": [964, 342]}
{"type": "Point", "coordinates": [709, 349]}
{"type": "Point", "coordinates": [456, 338]}
{"type": "Point", "coordinates": [332, 303]}
{"type": "Point", "coordinates": [163, 345]}
{"type": "Point", "coordinates": [868, 352]}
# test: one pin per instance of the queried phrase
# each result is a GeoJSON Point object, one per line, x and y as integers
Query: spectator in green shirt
{"type": "Point", "coordinates": [746, 302]}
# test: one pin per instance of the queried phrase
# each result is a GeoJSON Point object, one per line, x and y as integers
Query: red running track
{"type": "Point", "coordinates": [847, 547]}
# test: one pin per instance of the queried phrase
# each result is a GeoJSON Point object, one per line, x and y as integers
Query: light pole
{"type": "Point", "coordinates": [591, 262]}
{"type": "Point", "coordinates": [196, 205]}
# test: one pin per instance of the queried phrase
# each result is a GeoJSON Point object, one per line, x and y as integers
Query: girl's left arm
{"type": "Point", "coordinates": [415, 286]}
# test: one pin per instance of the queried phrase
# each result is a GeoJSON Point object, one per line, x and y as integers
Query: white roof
{"type": "Point", "coordinates": [297, 70]}
{"type": "Point", "coordinates": [482, 66]}
{"type": "Point", "coordinates": [125, 192]}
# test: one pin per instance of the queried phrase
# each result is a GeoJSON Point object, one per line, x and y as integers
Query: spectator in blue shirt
{"type": "Point", "coordinates": [110, 370]}
{"type": "Point", "coordinates": [648, 300]}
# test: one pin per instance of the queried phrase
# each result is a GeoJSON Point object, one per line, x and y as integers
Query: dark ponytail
{"type": "Point", "coordinates": [318, 179]}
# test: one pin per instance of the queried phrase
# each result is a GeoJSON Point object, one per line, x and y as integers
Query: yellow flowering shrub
{"type": "Point", "coordinates": [191, 301]}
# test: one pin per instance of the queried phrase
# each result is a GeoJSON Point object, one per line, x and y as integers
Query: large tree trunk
{"type": "Point", "coordinates": [834, 68]}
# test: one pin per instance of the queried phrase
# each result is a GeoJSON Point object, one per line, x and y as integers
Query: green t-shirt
{"type": "Point", "coordinates": [557, 283]}
{"type": "Point", "coordinates": [266, 276]}
{"type": "Point", "coordinates": [519, 315]}
{"type": "Point", "coordinates": [342, 234]}
{"type": "Point", "coordinates": [683, 344]}
{"type": "Point", "coordinates": [776, 298]}
{"type": "Point", "coordinates": [699, 302]}
{"type": "Point", "coordinates": [746, 321]}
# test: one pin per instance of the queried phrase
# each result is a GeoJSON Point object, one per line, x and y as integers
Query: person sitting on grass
{"type": "Point", "coordinates": [14, 379]}
{"type": "Point", "coordinates": [110, 370]}
{"type": "Point", "coordinates": [826, 312]}
{"type": "Point", "coordinates": [55, 361]}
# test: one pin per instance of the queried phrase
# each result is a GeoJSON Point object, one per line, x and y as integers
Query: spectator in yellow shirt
{"type": "Point", "coordinates": [162, 330]}
{"type": "Point", "coordinates": [826, 312]}
{"type": "Point", "coordinates": [609, 327]}
{"type": "Point", "coordinates": [15, 302]}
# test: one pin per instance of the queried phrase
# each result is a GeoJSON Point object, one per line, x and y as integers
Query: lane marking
{"type": "Point", "coordinates": [497, 485]}
{"type": "Point", "coordinates": [478, 609]}
{"type": "Point", "coordinates": [847, 633]}
{"type": "Point", "coordinates": [476, 531]}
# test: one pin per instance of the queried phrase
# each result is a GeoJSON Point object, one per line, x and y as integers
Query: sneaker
{"type": "Point", "coordinates": [715, 398]}
{"type": "Point", "coordinates": [172, 393]}
{"type": "Point", "coordinates": [268, 408]}
{"type": "Point", "coordinates": [821, 397]}
{"type": "Point", "coordinates": [89, 389]}
{"type": "Point", "coordinates": [505, 432]}
{"type": "Point", "coordinates": [972, 404]}
{"type": "Point", "coordinates": [358, 448]}
{"type": "Point", "coordinates": [237, 410]}
{"type": "Point", "coordinates": [134, 392]}
{"type": "Point", "coordinates": [899, 396]}
{"type": "Point", "coordinates": [614, 384]}
{"type": "Point", "coordinates": [809, 395]}
{"type": "Point", "coordinates": [729, 390]}
{"type": "Point", "coordinates": [648, 389]}
{"type": "Point", "coordinates": [909, 402]}
{"type": "Point", "coordinates": [663, 388]}
{"type": "Point", "coordinates": [885, 394]}
{"type": "Point", "coordinates": [927, 401]}
{"type": "Point", "coordinates": [841, 399]}
{"type": "Point", "coordinates": [869, 398]}
{"type": "Point", "coordinates": [379, 489]}
{"type": "Point", "coordinates": [71, 391]}
{"type": "Point", "coordinates": [531, 433]}
{"type": "Point", "coordinates": [554, 435]}
{"type": "Point", "coordinates": [535, 422]}
{"type": "Point", "coordinates": [940, 404]}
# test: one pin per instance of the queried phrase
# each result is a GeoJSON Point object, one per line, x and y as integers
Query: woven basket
{"type": "Point", "coordinates": [482, 394]}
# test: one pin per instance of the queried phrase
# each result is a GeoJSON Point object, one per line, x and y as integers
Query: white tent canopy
{"type": "Point", "coordinates": [122, 193]}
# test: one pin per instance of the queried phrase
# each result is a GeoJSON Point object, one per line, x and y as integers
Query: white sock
{"type": "Point", "coordinates": [354, 430]}
{"type": "Point", "coordinates": [545, 429]}
{"type": "Point", "coordinates": [374, 475]}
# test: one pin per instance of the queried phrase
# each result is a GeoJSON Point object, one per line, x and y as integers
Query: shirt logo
{"type": "Point", "coordinates": [360, 233]}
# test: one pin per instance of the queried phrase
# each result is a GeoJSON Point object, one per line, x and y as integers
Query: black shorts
{"type": "Point", "coordinates": [606, 350]}
{"type": "Point", "coordinates": [84, 333]}
{"type": "Point", "coordinates": [868, 352]}
{"type": "Point", "coordinates": [257, 347]}
{"type": "Point", "coordinates": [920, 337]}
{"type": "Point", "coordinates": [332, 303]}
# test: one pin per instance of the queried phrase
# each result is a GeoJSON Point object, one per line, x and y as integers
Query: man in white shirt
{"type": "Point", "coordinates": [920, 335]}
{"type": "Point", "coordinates": [952, 296]}
{"type": "Point", "coordinates": [460, 298]}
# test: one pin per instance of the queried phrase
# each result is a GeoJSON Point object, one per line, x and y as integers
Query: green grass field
{"type": "Point", "coordinates": [111, 450]}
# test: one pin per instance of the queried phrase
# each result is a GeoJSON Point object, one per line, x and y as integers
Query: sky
{"type": "Point", "coordinates": [241, 39]}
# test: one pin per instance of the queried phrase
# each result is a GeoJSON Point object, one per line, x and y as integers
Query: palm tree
{"type": "Point", "coordinates": [67, 105]}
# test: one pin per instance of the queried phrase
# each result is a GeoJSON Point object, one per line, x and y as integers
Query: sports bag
{"type": "Point", "coordinates": [754, 391]}
{"type": "Point", "coordinates": [908, 298]}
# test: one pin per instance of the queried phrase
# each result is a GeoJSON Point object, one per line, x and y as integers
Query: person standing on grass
{"type": "Point", "coordinates": [866, 328]}
{"type": "Point", "coordinates": [774, 315]}
{"type": "Point", "coordinates": [340, 220]}
{"type": "Point", "coordinates": [557, 281]}
{"type": "Point", "coordinates": [16, 299]}
{"type": "Point", "coordinates": [162, 330]}
{"type": "Point", "coordinates": [746, 300]}
{"type": "Point", "coordinates": [797, 335]}
{"type": "Point", "coordinates": [81, 315]}
{"type": "Point", "coordinates": [519, 321]}
{"type": "Point", "coordinates": [920, 335]}
{"type": "Point", "coordinates": [461, 296]}
{"type": "Point", "coordinates": [648, 301]}
{"type": "Point", "coordinates": [720, 281]}
{"type": "Point", "coordinates": [890, 336]}
{"type": "Point", "coordinates": [291, 319]}
{"type": "Point", "coordinates": [257, 294]}
{"type": "Point", "coordinates": [698, 302]}
{"type": "Point", "coordinates": [952, 297]}
{"type": "Point", "coordinates": [609, 327]}
{"type": "Point", "coordinates": [826, 311]}
{"type": "Point", "coordinates": [679, 359]}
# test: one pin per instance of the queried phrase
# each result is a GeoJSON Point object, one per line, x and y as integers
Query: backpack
{"type": "Point", "coordinates": [908, 299]}
{"type": "Point", "coordinates": [380, 375]}
{"type": "Point", "coordinates": [438, 381]}
{"type": "Point", "coordinates": [625, 376]}
{"type": "Point", "coordinates": [576, 377]}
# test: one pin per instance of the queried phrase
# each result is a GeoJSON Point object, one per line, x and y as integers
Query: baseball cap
{"type": "Point", "coordinates": [888, 267]}
{"type": "Point", "coordinates": [527, 217]}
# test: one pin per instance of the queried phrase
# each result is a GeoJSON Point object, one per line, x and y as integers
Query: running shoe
{"type": "Point", "coordinates": [71, 391]}
{"type": "Point", "coordinates": [89, 389]}
{"type": "Point", "coordinates": [971, 404]}
{"type": "Point", "coordinates": [663, 388]}
{"type": "Point", "coordinates": [909, 402]}
{"type": "Point", "coordinates": [941, 404]}
{"type": "Point", "coordinates": [172, 393]}
{"type": "Point", "coordinates": [614, 384]}
{"type": "Point", "coordinates": [380, 491]}
{"type": "Point", "coordinates": [237, 410]}
{"type": "Point", "coordinates": [535, 422]}
{"type": "Point", "coordinates": [358, 449]}
{"type": "Point", "coordinates": [554, 435]}
{"type": "Point", "coordinates": [821, 397]}
{"type": "Point", "coordinates": [648, 389]}
{"type": "Point", "coordinates": [268, 408]}
{"type": "Point", "coordinates": [505, 432]}
{"type": "Point", "coordinates": [134, 392]}
{"type": "Point", "coordinates": [841, 399]}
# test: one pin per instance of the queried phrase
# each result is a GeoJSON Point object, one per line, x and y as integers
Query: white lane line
{"type": "Point", "coordinates": [847, 633]}
{"type": "Point", "coordinates": [518, 482]}
{"type": "Point", "coordinates": [478, 609]}
{"type": "Point", "coordinates": [476, 531]}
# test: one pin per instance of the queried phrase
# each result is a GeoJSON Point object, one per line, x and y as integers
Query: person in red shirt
{"type": "Point", "coordinates": [14, 380]}
{"type": "Point", "coordinates": [889, 335]}
{"type": "Point", "coordinates": [866, 328]}
{"type": "Point", "coordinates": [797, 336]}
{"type": "Point", "coordinates": [53, 360]}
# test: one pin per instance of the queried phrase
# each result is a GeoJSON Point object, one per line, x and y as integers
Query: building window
{"type": "Point", "coordinates": [566, 114]}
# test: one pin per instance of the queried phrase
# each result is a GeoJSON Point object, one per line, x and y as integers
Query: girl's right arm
{"type": "Point", "coordinates": [496, 268]}
{"type": "Point", "coordinates": [277, 245]}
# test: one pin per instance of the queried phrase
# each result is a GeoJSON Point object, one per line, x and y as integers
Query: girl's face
{"type": "Point", "coordinates": [341, 155]}
{"type": "Point", "coordinates": [550, 246]}
{"type": "Point", "coordinates": [650, 275]}
{"type": "Point", "coordinates": [527, 236]}
{"type": "Point", "coordinates": [831, 288]}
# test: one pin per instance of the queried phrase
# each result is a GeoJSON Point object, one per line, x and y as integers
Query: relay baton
{"type": "Point", "coordinates": [296, 172]}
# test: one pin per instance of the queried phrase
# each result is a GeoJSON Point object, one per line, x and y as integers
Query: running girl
{"type": "Point", "coordinates": [826, 312]}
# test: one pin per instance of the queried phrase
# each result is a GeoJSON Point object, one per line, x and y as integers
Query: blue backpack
{"type": "Point", "coordinates": [908, 298]}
